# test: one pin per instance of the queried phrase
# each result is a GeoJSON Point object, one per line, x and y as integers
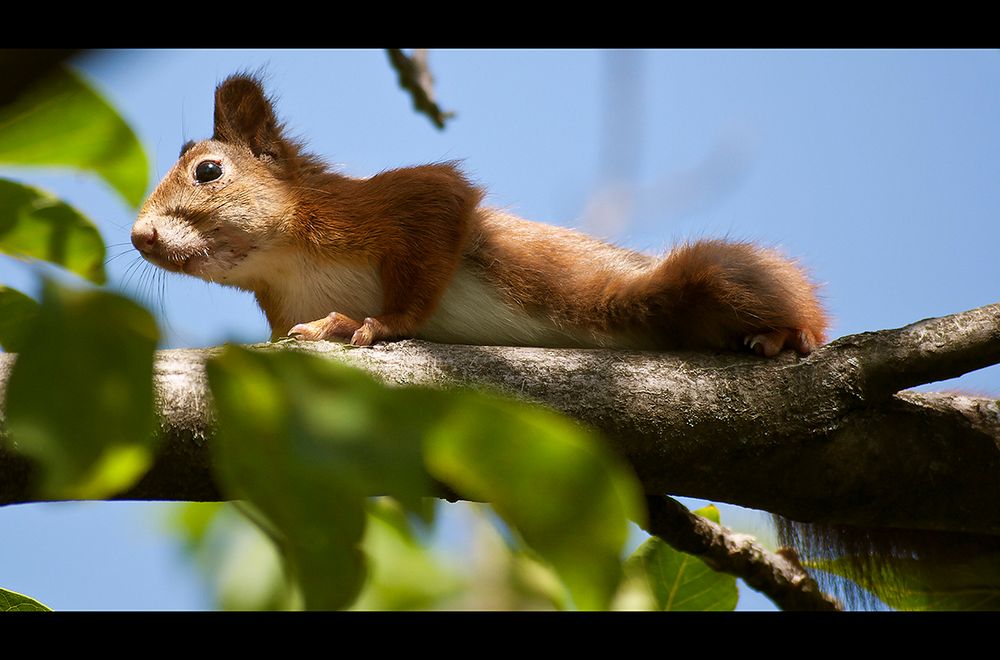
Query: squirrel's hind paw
{"type": "Point", "coordinates": [769, 344]}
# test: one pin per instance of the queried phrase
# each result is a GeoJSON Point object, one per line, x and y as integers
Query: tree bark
{"type": "Point", "coordinates": [827, 438]}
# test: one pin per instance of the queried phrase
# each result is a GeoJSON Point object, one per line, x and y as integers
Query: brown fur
{"type": "Point", "coordinates": [412, 222]}
{"type": "Point", "coordinates": [708, 294]}
{"type": "Point", "coordinates": [278, 213]}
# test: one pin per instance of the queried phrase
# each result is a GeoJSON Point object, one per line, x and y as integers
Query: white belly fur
{"type": "Point", "coordinates": [470, 312]}
{"type": "Point", "coordinates": [316, 290]}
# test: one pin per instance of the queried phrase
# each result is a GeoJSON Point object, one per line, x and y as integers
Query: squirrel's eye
{"type": "Point", "coordinates": [207, 170]}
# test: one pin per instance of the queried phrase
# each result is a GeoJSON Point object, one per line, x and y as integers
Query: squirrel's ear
{"type": "Point", "coordinates": [244, 115]}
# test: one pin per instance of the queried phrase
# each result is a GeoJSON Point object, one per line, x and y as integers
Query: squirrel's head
{"type": "Point", "coordinates": [226, 199]}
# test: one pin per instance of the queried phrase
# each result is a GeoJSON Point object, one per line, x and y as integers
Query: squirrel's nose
{"type": "Point", "coordinates": [144, 237]}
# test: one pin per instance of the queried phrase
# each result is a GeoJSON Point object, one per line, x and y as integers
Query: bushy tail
{"type": "Point", "coordinates": [727, 295]}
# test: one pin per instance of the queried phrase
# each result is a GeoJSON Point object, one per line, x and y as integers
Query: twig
{"type": "Point", "coordinates": [780, 577]}
{"type": "Point", "coordinates": [415, 77]}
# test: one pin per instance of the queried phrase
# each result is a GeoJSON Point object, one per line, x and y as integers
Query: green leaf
{"type": "Point", "coordinates": [306, 441]}
{"type": "Point", "coordinates": [35, 225]}
{"type": "Point", "coordinates": [553, 481]}
{"type": "Point", "coordinates": [11, 601]}
{"type": "Point", "coordinates": [709, 512]}
{"type": "Point", "coordinates": [64, 122]}
{"type": "Point", "coordinates": [240, 565]}
{"type": "Point", "coordinates": [679, 581]}
{"type": "Point", "coordinates": [913, 584]}
{"type": "Point", "coordinates": [246, 567]}
{"type": "Point", "coordinates": [340, 421]}
{"type": "Point", "coordinates": [80, 397]}
{"type": "Point", "coordinates": [404, 574]}
{"type": "Point", "coordinates": [17, 311]}
{"type": "Point", "coordinates": [191, 522]}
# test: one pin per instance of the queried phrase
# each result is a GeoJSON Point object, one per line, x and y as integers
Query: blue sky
{"type": "Point", "coordinates": [877, 169]}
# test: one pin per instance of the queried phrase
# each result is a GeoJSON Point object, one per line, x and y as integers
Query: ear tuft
{"type": "Point", "coordinates": [244, 115]}
{"type": "Point", "coordinates": [186, 147]}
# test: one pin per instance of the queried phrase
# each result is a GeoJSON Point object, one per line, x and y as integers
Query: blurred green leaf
{"type": "Point", "coordinates": [567, 496]}
{"type": "Point", "coordinates": [679, 581]}
{"type": "Point", "coordinates": [240, 564]}
{"type": "Point", "coordinates": [35, 225]}
{"type": "Point", "coordinates": [912, 584]}
{"type": "Point", "coordinates": [340, 421]}
{"type": "Point", "coordinates": [63, 121]}
{"type": "Point", "coordinates": [404, 574]}
{"type": "Point", "coordinates": [11, 601]}
{"type": "Point", "coordinates": [16, 313]}
{"type": "Point", "coordinates": [246, 568]}
{"type": "Point", "coordinates": [500, 575]}
{"type": "Point", "coordinates": [191, 521]}
{"type": "Point", "coordinates": [80, 397]}
{"type": "Point", "coordinates": [307, 440]}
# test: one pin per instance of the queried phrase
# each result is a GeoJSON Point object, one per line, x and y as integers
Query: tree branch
{"type": "Point", "coordinates": [816, 439]}
{"type": "Point", "coordinates": [928, 350]}
{"type": "Point", "coordinates": [780, 577]}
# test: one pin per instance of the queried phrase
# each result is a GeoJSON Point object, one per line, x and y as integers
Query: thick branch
{"type": "Point", "coordinates": [814, 439]}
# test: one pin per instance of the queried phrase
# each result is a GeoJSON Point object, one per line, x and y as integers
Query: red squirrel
{"type": "Point", "coordinates": [413, 253]}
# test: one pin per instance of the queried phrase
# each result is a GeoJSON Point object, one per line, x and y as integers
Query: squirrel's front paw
{"type": "Point", "coordinates": [371, 331]}
{"type": "Point", "coordinates": [334, 327]}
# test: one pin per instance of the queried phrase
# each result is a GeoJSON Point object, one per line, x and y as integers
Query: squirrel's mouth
{"type": "Point", "coordinates": [203, 263]}
{"type": "Point", "coordinates": [192, 264]}
{"type": "Point", "coordinates": [174, 263]}
{"type": "Point", "coordinates": [159, 261]}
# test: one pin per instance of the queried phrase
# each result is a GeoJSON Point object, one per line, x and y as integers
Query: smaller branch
{"type": "Point", "coordinates": [929, 350]}
{"type": "Point", "coordinates": [415, 77]}
{"type": "Point", "coordinates": [780, 577]}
